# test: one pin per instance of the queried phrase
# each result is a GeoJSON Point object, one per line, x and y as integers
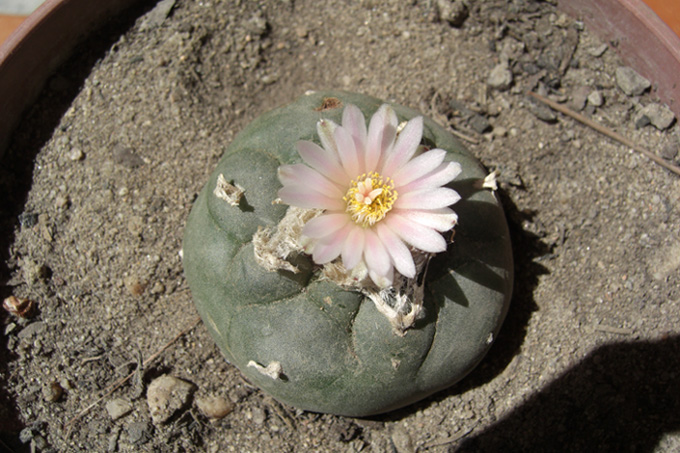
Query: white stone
{"type": "Point", "coordinates": [500, 77]}
{"type": "Point", "coordinates": [118, 408]}
{"type": "Point", "coordinates": [214, 407]}
{"type": "Point", "coordinates": [166, 395]}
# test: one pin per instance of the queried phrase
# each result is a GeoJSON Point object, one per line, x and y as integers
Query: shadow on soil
{"type": "Point", "coordinates": [528, 252]}
{"type": "Point", "coordinates": [16, 176]}
{"type": "Point", "coordinates": [621, 397]}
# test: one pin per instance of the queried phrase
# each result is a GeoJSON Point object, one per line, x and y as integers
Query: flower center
{"type": "Point", "coordinates": [369, 198]}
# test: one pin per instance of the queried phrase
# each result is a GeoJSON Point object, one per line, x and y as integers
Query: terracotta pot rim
{"type": "Point", "coordinates": [643, 40]}
{"type": "Point", "coordinates": [44, 40]}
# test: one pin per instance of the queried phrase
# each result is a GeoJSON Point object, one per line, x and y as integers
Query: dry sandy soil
{"type": "Point", "coordinates": [101, 175]}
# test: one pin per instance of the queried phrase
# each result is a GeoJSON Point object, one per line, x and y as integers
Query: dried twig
{"type": "Point", "coordinates": [462, 136]}
{"type": "Point", "coordinates": [116, 385]}
{"type": "Point", "coordinates": [606, 131]}
{"type": "Point", "coordinates": [447, 440]}
{"type": "Point", "coordinates": [442, 119]}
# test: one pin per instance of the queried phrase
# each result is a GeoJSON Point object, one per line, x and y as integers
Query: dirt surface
{"type": "Point", "coordinates": [102, 173]}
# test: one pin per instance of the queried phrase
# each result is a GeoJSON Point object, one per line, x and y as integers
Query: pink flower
{"type": "Point", "coordinates": [382, 197]}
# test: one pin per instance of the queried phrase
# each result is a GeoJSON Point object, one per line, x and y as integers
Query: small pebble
{"type": "Point", "coordinates": [26, 435]}
{"type": "Point", "coordinates": [579, 97]}
{"type": "Point", "coordinates": [52, 392]}
{"type": "Point", "coordinates": [34, 272]}
{"type": "Point", "coordinates": [118, 408]}
{"type": "Point", "coordinates": [126, 157]}
{"type": "Point", "coordinates": [268, 79]}
{"type": "Point", "coordinates": [138, 432]}
{"type": "Point", "coordinates": [494, 109]}
{"type": "Point", "coordinates": [10, 328]}
{"type": "Point", "coordinates": [301, 31]}
{"type": "Point", "coordinates": [76, 155]}
{"type": "Point", "coordinates": [214, 407]}
{"type": "Point", "coordinates": [134, 286]}
{"type": "Point", "coordinates": [452, 11]}
{"type": "Point", "coordinates": [62, 201]}
{"type": "Point", "coordinates": [542, 112]}
{"type": "Point", "coordinates": [630, 82]}
{"type": "Point", "coordinates": [39, 443]}
{"type": "Point", "coordinates": [157, 288]}
{"type": "Point", "coordinates": [670, 150]}
{"type": "Point", "coordinates": [660, 116]}
{"type": "Point", "coordinates": [113, 441]}
{"type": "Point", "coordinates": [596, 99]}
{"type": "Point", "coordinates": [642, 121]}
{"type": "Point", "coordinates": [402, 440]}
{"type": "Point", "coordinates": [157, 15]}
{"type": "Point", "coordinates": [258, 415]}
{"type": "Point", "coordinates": [500, 131]}
{"type": "Point", "coordinates": [500, 77]}
{"type": "Point", "coordinates": [479, 124]}
{"type": "Point", "coordinates": [33, 329]}
{"type": "Point", "coordinates": [167, 395]}
{"type": "Point", "coordinates": [598, 51]}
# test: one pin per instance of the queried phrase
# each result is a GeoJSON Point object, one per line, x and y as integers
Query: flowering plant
{"type": "Point", "coordinates": [370, 195]}
{"type": "Point", "coordinates": [380, 191]}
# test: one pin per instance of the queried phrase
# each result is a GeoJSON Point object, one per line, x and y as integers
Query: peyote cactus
{"type": "Point", "coordinates": [322, 320]}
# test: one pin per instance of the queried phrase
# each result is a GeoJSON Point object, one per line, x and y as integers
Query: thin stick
{"type": "Point", "coordinates": [606, 131]}
{"type": "Point", "coordinates": [463, 136]}
{"type": "Point", "coordinates": [442, 119]}
{"type": "Point", "coordinates": [116, 385]}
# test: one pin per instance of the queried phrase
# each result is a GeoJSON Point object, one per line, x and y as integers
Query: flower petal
{"type": "Point", "coordinates": [383, 281]}
{"type": "Point", "coordinates": [405, 147]}
{"type": "Point", "coordinates": [300, 174]}
{"type": "Point", "coordinates": [400, 254]}
{"type": "Point", "coordinates": [324, 161]}
{"type": "Point", "coordinates": [353, 248]}
{"type": "Point", "coordinates": [440, 197]}
{"type": "Point", "coordinates": [439, 219]}
{"type": "Point", "coordinates": [418, 167]}
{"type": "Point", "coordinates": [307, 197]}
{"type": "Point", "coordinates": [347, 150]}
{"type": "Point", "coordinates": [353, 120]}
{"type": "Point", "coordinates": [420, 237]}
{"type": "Point", "coordinates": [325, 128]}
{"type": "Point", "coordinates": [325, 224]}
{"type": "Point", "coordinates": [330, 248]}
{"type": "Point", "coordinates": [438, 177]}
{"type": "Point", "coordinates": [375, 254]}
{"type": "Point", "coordinates": [381, 133]}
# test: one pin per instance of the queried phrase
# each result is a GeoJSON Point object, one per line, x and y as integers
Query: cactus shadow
{"type": "Point", "coordinates": [528, 250]}
{"type": "Point", "coordinates": [621, 397]}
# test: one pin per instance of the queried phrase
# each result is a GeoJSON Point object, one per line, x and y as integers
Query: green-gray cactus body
{"type": "Point", "coordinates": [337, 352]}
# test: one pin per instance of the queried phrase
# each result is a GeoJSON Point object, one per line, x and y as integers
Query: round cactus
{"type": "Point", "coordinates": [309, 340]}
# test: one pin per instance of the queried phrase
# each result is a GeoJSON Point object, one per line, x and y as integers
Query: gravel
{"type": "Point", "coordinates": [590, 345]}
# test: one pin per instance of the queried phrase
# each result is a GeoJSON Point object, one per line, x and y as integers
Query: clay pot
{"type": "Point", "coordinates": [39, 45]}
{"type": "Point", "coordinates": [47, 37]}
{"type": "Point", "coordinates": [643, 40]}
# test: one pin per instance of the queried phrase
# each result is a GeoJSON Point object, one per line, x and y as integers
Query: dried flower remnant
{"type": "Point", "coordinates": [274, 370]}
{"type": "Point", "coordinates": [231, 193]}
{"type": "Point", "coordinates": [22, 308]}
{"type": "Point", "coordinates": [381, 193]}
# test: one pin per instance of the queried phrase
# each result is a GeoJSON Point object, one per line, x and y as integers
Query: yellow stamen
{"type": "Point", "coordinates": [369, 198]}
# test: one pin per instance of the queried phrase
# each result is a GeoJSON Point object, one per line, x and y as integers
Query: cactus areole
{"type": "Point", "coordinates": [322, 257]}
